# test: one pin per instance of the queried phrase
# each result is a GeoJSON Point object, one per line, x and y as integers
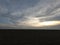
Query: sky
{"type": "Point", "coordinates": [30, 14]}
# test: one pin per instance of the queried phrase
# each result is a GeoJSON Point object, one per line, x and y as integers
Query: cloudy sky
{"type": "Point", "coordinates": [30, 14]}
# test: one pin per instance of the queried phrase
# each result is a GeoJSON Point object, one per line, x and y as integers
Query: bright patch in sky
{"type": "Point", "coordinates": [50, 23]}
{"type": "Point", "coordinates": [35, 22]}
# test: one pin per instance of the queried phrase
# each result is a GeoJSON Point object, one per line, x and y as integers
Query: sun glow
{"type": "Point", "coordinates": [46, 23]}
{"type": "Point", "coordinates": [42, 24]}
{"type": "Point", "coordinates": [35, 22]}
{"type": "Point", "coordinates": [50, 23]}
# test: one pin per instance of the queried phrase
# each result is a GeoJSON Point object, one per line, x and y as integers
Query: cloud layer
{"type": "Point", "coordinates": [29, 13]}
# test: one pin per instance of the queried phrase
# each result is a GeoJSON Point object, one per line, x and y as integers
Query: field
{"type": "Point", "coordinates": [26, 37]}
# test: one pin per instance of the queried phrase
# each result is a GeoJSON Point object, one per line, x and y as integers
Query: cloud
{"type": "Point", "coordinates": [31, 13]}
{"type": "Point", "coordinates": [42, 12]}
{"type": "Point", "coordinates": [7, 26]}
{"type": "Point", "coordinates": [35, 22]}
